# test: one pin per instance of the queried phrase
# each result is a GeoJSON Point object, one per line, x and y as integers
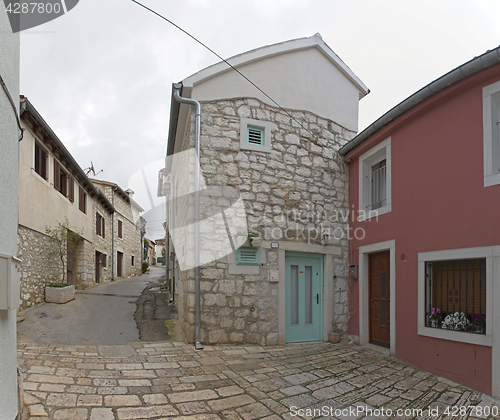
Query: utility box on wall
{"type": "Point", "coordinates": [10, 282]}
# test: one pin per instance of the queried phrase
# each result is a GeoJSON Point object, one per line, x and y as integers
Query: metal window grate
{"type": "Point", "coordinates": [255, 135]}
{"type": "Point", "coordinates": [378, 192]}
{"type": "Point", "coordinates": [456, 295]}
{"type": "Point", "coordinates": [247, 256]}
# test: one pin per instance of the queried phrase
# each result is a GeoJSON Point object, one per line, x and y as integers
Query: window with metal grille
{"type": "Point", "coordinates": [40, 161]}
{"type": "Point", "coordinates": [375, 181]}
{"type": "Point", "coordinates": [455, 292]}
{"type": "Point", "coordinates": [255, 135]}
{"type": "Point", "coordinates": [247, 256]}
{"type": "Point", "coordinates": [378, 186]}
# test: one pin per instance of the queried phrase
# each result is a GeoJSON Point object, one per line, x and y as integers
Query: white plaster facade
{"type": "Point", "coordinates": [47, 200]}
{"type": "Point", "coordinates": [9, 137]}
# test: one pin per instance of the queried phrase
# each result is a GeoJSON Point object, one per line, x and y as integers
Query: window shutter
{"type": "Point", "coordinates": [37, 159]}
{"type": "Point", "coordinates": [255, 135]}
{"type": "Point", "coordinates": [103, 228]}
{"type": "Point", "coordinates": [120, 229]}
{"type": "Point", "coordinates": [82, 200]}
{"type": "Point", "coordinates": [97, 224]}
{"type": "Point", "coordinates": [43, 164]}
{"type": "Point", "coordinates": [247, 256]}
{"type": "Point", "coordinates": [57, 175]}
{"type": "Point", "coordinates": [71, 188]}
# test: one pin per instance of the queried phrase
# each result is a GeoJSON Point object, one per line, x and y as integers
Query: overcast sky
{"type": "Point", "coordinates": [101, 75]}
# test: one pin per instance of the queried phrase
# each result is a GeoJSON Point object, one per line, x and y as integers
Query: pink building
{"type": "Point", "coordinates": [425, 246]}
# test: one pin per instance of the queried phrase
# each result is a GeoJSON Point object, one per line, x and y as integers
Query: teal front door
{"type": "Point", "coordinates": [304, 297]}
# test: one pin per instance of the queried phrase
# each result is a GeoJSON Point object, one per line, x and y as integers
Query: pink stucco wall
{"type": "Point", "coordinates": [439, 202]}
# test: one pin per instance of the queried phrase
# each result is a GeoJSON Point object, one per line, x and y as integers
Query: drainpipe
{"type": "Point", "coordinates": [113, 234]}
{"type": "Point", "coordinates": [178, 98]}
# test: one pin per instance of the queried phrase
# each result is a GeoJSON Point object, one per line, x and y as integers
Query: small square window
{"type": "Point", "coordinates": [255, 135]}
{"type": "Point", "coordinates": [247, 256]}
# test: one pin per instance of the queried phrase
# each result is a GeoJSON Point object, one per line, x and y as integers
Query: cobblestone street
{"type": "Point", "coordinates": [173, 381]}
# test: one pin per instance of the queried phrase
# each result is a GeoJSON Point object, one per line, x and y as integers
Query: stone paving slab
{"type": "Point", "coordinates": [172, 380]}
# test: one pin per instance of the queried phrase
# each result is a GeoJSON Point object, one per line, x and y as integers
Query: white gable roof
{"type": "Point", "coordinates": [273, 50]}
{"type": "Point", "coordinates": [302, 74]}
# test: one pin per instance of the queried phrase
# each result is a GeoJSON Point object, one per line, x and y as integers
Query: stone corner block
{"type": "Point", "coordinates": [60, 294]}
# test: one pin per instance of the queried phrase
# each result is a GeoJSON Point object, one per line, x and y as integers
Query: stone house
{"type": "Point", "coordinates": [125, 237]}
{"type": "Point", "coordinates": [150, 251]}
{"type": "Point", "coordinates": [280, 275]}
{"type": "Point", "coordinates": [54, 191]}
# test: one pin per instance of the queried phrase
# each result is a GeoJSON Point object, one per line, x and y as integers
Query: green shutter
{"type": "Point", "coordinates": [247, 256]}
{"type": "Point", "coordinates": [255, 135]}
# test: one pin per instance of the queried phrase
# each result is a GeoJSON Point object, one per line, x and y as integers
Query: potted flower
{"type": "Point", "coordinates": [457, 321]}
{"type": "Point", "coordinates": [334, 335]}
{"type": "Point", "coordinates": [435, 317]}
{"type": "Point", "coordinates": [479, 323]}
{"type": "Point", "coordinates": [59, 292]}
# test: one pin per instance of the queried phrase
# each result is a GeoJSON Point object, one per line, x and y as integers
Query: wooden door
{"type": "Point", "coordinates": [379, 284]}
{"type": "Point", "coordinates": [97, 266]}
{"type": "Point", "coordinates": [119, 264]}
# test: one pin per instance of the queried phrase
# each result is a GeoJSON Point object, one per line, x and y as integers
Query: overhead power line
{"type": "Point", "coordinates": [230, 65]}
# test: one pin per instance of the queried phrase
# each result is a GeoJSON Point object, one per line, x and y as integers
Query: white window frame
{"type": "Point", "coordinates": [264, 125]}
{"type": "Point", "coordinates": [492, 256]}
{"type": "Point", "coordinates": [373, 156]}
{"type": "Point", "coordinates": [491, 134]}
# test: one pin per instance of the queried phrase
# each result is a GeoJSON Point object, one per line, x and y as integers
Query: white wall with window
{"type": "Point", "coordinates": [491, 134]}
{"type": "Point", "coordinates": [375, 181]}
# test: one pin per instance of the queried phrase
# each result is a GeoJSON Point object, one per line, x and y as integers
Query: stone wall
{"type": "Point", "coordinates": [41, 265]}
{"type": "Point", "coordinates": [102, 243]}
{"type": "Point", "coordinates": [130, 243]}
{"type": "Point", "coordinates": [296, 193]}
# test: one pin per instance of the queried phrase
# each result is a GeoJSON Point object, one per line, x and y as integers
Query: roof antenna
{"type": "Point", "coordinates": [91, 169]}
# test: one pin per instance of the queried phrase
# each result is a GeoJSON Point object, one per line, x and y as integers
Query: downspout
{"type": "Point", "coordinates": [113, 234]}
{"type": "Point", "coordinates": [178, 98]}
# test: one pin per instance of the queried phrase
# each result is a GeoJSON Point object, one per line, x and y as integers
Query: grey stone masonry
{"type": "Point", "coordinates": [296, 192]}
{"type": "Point", "coordinates": [102, 242]}
{"type": "Point", "coordinates": [129, 244]}
{"type": "Point", "coordinates": [41, 265]}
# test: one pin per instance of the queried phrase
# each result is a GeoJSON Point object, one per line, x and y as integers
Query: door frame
{"type": "Point", "coordinates": [320, 258]}
{"type": "Point", "coordinates": [364, 295]}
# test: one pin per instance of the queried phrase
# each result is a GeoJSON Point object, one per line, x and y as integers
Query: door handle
{"type": "Point", "coordinates": [317, 298]}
